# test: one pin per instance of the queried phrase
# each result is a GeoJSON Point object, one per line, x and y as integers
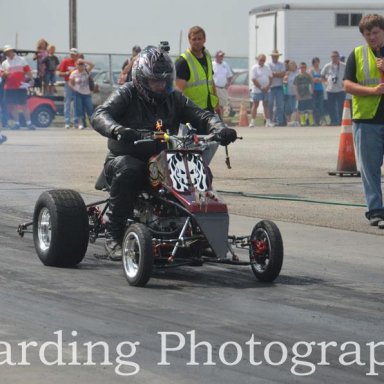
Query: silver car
{"type": "Point", "coordinates": [104, 85]}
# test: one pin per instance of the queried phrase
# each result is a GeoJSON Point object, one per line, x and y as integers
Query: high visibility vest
{"type": "Point", "coordinates": [367, 74]}
{"type": "Point", "coordinates": [200, 84]}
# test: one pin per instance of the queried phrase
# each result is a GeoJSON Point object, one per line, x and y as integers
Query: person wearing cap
{"type": "Point", "coordinates": [126, 69]}
{"type": "Point", "coordinates": [194, 72]}
{"type": "Point", "coordinates": [333, 73]}
{"type": "Point", "coordinates": [13, 71]}
{"type": "Point", "coordinates": [261, 77]}
{"type": "Point", "coordinates": [222, 75]}
{"type": "Point", "coordinates": [68, 65]}
{"type": "Point", "coordinates": [276, 94]}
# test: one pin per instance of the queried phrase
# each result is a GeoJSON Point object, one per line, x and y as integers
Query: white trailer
{"type": "Point", "coordinates": [301, 32]}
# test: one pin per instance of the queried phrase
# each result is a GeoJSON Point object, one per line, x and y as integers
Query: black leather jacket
{"type": "Point", "coordinates": [125, 108]}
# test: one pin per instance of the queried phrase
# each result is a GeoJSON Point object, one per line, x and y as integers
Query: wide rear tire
{"type": "Point", "coordinates": [266, 251]}
{"type": "Point", "coordinates": [60, 228]}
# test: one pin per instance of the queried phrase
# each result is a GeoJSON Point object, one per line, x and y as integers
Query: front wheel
{"type": "Point", "coordinates": [137, 255]}
{"type": "Point", "coordinates": [266, 251]}
{"type": "Point", "coordinates": [60, 228]}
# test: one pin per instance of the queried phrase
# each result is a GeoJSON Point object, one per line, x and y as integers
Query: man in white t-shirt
{"type": "Point", "coordinates": [333, 73]}
{"type": "Point", "coordinates": [222, 75]}
{"type": "Point", "coordinates": [261, 76]}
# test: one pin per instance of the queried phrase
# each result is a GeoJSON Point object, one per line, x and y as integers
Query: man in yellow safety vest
{"type": "Point", "coordinates": [194, 73]}
{"type": "Point", "coordinates": [364, 79]}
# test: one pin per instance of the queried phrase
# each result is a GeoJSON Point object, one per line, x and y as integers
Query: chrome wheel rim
{"type": "Point", "coordinates": [131, 255]}
{"type": "Point", "coordinates": [44, 229]}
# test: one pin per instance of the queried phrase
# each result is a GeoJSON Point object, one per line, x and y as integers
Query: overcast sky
{"type": "Point", "coordinates": [114, 26]}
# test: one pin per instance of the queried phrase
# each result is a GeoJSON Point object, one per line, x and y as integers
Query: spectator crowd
{"type": "Point", "coordinates": [295, 94]}
{"type": "Point", "coordinates": [17, 82]}
{"type": "Point", "coordinates": [291, 94]}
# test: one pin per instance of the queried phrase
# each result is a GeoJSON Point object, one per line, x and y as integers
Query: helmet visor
{"type": "Point", "coordinates": [160, 82]}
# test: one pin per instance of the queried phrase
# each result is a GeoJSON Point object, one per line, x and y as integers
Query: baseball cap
{"type": "Point", "coordinates": [74, 51]}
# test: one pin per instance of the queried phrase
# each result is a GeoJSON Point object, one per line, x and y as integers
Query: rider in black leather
{"type": "Point", "coordinates": [136, 106]}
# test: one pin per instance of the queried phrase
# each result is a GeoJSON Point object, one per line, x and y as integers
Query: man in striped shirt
{"type": "Point", "coordinates": [13, 71]}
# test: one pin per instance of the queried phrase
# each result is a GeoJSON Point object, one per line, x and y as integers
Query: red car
{"type": "Point", "coordinates": [238, 91]}
{"type": "Point", "coordinates": [43, 111]}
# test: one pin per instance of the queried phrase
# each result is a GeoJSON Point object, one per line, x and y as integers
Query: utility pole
{"type": "Point", "coordinates": [180, 40]}
{"type": "Point", "coordinates": [72, 24]}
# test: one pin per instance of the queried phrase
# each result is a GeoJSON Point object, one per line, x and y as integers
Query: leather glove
{"type": "Point", "coordinates": [126, 134]}
{"type": "Point", "coordinates": [226, 136]}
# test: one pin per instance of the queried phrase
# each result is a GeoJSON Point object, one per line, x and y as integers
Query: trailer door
{"type": "Point", "coordinates": [266, 39]}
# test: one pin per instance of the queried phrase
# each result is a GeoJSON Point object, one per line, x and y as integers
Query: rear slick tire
{"type": "Point", "coordinates": [266, 251]}
{"type": "Point", "coordinates": [137, 257]}
{"type": "Point", "coordinates": [60, 228]}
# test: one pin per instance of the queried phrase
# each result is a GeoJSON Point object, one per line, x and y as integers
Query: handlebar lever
{"type": "Point", "coordinates": [143, 141]}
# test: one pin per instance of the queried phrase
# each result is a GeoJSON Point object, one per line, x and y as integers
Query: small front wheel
{"type": "Point", "coordinates": [266, 251]}
{"type": "Point", "coordinates": [137, 255]}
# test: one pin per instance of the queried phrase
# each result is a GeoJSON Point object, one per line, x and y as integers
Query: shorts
{"type": "Point", "coordinates": [305, 105]}
{"type": "Point", "coordinates": [222, 94]}
{"type": "Point", "coordinates": [50, 78]}
{"type": "Point", "coordinates": [259, 96]}
{"type": "Point", "coordinates": [16, 96]}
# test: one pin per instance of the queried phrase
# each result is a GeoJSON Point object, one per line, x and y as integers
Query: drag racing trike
{"type": "Point", "coordinates": [178, 220]}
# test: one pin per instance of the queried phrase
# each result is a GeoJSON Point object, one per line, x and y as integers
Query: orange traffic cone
{"type": "Point", "coordinates": [243, 121]}
{"type": "Point", "coordinates": [346, 162]}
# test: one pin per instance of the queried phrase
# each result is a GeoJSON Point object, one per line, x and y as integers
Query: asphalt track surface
{"type": "Point", "coordinates": [330, 289]}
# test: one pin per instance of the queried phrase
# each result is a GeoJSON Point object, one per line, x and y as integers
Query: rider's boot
{"type": "Point", "coordinates": [114, 250]}
{"type": "Point", "coordinates": [116, 224]}
{"type": "Point", "coordinates": [114, 232]}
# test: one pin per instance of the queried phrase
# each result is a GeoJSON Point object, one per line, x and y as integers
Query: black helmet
{"type": "Point", "coordinates": [153, 74]}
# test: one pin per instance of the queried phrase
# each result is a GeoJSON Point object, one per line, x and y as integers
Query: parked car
{"type": "Point", "coordinates": [42, 110]}
{"type": "Point", "coordinates": [104, 85]}
{"type": "Point", "coordinates": [238, 92]}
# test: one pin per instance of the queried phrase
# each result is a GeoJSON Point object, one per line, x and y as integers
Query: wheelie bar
{"type": "Point", "coordinates": [23, 228]}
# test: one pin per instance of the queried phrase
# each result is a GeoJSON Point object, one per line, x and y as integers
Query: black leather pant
{"type": "Point", "coordinates": [127, 176]}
